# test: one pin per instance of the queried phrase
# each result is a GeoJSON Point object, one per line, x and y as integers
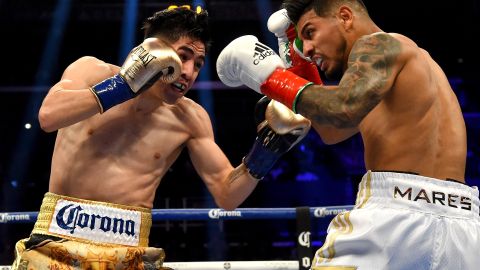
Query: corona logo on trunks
{"type": "Point", "coordinates": [95, 222]}
{"type": "Point", "coordinates": [218, 213]}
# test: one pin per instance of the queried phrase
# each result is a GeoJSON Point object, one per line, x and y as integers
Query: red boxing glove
{"type": "Point", "coordinates": [284, 86]}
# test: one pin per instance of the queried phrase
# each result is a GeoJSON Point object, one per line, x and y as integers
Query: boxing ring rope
{"type": "Point", "coordinates": [215, 214]}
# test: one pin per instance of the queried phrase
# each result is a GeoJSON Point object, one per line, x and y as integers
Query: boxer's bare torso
{"type": "Point", "coordinates": [122, 155]}
{"type": "Point", "coordinates": [418, 126]}
{"type": "Point", "coordinates": [391, 91]}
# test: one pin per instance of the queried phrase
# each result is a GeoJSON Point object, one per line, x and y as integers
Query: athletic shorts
{"type": "Point", "coordinates": [73, 233]}
{"type": "Point", "coordinates": [405, 221]}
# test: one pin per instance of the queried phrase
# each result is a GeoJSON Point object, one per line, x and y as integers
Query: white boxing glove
{"type": "Point", "coordinates": [278, 23]}
{"type": "Point", "coordinates": [247, 61]}
{"type": "Point", "coordinates": [289, 45]}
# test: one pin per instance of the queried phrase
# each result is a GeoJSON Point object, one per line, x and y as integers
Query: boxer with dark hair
{"type": "Point", "coordinates": [399, 99]}
{"type": "Point", "coordinates": [119, 129]}
{"type": "Point", "coordinates": [172, 24]}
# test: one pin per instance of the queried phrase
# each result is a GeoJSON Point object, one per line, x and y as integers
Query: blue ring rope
{"type": "Point", "coordinates": [204, 214]}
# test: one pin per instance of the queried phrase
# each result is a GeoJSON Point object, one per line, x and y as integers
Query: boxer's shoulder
{"type": "Point", "coordinates": [193, 117]}
{"type": "Point", "coordinates": [189, 106]}
{"type": "Point", "coordinates": [91, 65]}
{"type": "Point", "coordinates": [90, 61]}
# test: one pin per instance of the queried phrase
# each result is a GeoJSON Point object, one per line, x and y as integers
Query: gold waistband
{"type": "Point", "coordinates": [47, 211]}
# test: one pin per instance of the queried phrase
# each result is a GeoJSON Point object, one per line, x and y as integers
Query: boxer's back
{"type": "Point", "coordinates": [418, 126]}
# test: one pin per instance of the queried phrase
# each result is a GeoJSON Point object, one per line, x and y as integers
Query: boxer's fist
{"type": "Point", "coordinates": [284, 122]}
{"type": "Point", "coordinates": [145, 64]}
{"type": "Point", "coordinates": [247, 61]}
{"type": "Point", "coordinates": [150, 61]}
{"type": "Point", "coordinates": [291, 47]}
{"type": "Point", "coordinates": [278, 130]}
{"type": "Point", "coordinates": [279, 24]}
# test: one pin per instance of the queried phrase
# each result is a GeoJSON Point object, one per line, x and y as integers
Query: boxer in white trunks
{"type": "Point", "coordinates": [409, 214]}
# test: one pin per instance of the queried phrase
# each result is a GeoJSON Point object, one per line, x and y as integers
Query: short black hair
{"type": "Point", "coordinates": [296, 8]}
{"type": "Point", "coordinates": [172, 24]}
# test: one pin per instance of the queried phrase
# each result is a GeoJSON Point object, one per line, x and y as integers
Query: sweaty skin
{"type": "Point", "coordinates": [391, 91]}
{"type": "Point", "coordinates": [120, 156]}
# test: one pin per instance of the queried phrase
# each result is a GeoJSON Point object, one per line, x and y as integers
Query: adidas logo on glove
{"type": "Point", "coordinates": [261, 52]}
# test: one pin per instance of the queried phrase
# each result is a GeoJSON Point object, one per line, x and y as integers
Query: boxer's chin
{"type": "Point", "coordinates": [171, 97]}
{"type": "Point", "coordinates": [172, 94]}
{"type": "Point", "coordinates": [334, 74]}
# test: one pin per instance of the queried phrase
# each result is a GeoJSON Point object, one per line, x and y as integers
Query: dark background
{"type": "Point", "coordinates": [311, 174]}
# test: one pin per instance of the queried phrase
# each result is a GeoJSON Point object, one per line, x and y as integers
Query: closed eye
{"type": "Point", "coordinates": [199, 65]}
{"type": "Point", "coordinates": [184, 57]}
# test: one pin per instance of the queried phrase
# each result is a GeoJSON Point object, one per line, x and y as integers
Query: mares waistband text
{"type": "Point", "coordinates": [433, 196]}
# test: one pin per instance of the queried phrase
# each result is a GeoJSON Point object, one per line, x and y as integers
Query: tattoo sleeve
{"type": "Point", "coordinates": [369, 75]}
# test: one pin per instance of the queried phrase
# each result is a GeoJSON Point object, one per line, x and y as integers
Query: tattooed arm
{"type": "Point", "coordinates": [332, 135]}
{"type": "Point", "coordinates": [373, 65]}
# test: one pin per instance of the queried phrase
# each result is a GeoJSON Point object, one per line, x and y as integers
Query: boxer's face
{"type": "Point", "coordinates": [323, 42]}
{"type": "Point", "coordinates": [192, 53]}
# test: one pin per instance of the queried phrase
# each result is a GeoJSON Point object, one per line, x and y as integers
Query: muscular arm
{"type": "Point", "coordinates": [70, 100]}
{"type": "Point", "coordinates": [229, 186]}
{"type": "Point", "coordinates": [332, 135]}
{"type": "Point", "coordinates": [373, 65]}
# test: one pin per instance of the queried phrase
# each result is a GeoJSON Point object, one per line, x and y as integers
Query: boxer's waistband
{"type": "Point", "coordinates": [424, 194]}
{"type": "Point", "coordinates": [92, 221]}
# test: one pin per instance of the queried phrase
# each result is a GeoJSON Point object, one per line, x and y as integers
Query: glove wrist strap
{"type": "Point", "coordinates": [260, 160]}
{"type": "Point", "coordinates": [112, 91]}
{"type": "Point", "coordinates": [285, 87]}
{"type": "Point", "coordinates": [262, 155]}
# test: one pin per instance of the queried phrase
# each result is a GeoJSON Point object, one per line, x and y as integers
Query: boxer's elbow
{"type": "Point", "coordinates": [325, 136]}
{"type": "Point", "coordinates": [332, 135]}
{"type": "Point", "coordinates": [227, 200]}
{"type": "Point", "coordinates": [226, 204]}
{"type": "Point", "coordinates": [229, 208]}
{"type": "Point", "coordinates": [329, 140]}
{"type": "Point", "coordinates": [47, 120]}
